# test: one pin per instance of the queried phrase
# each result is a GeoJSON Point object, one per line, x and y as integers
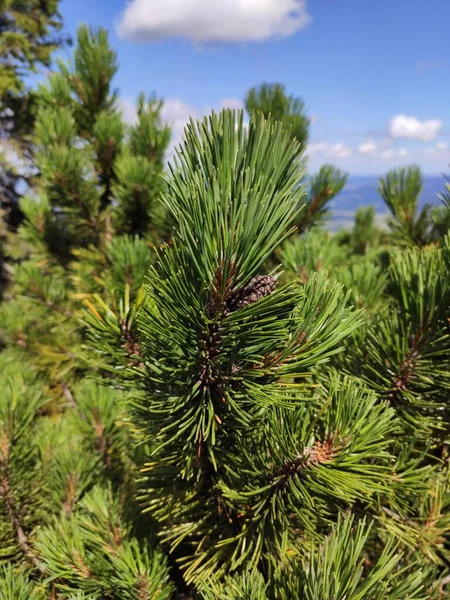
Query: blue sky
{"type": "Point", "coordinates": [374, 74]}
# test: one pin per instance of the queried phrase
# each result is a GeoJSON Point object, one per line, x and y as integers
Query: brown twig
{"type": "Point", "coordinates": [68, 395]}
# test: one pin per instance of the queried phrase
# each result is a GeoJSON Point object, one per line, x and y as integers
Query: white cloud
{"type": "Point", "coordinates": [392, 153]}
{"type": "Point", "coordinates": [212, 21]}
{"type": "Point", "coordinates": [176, 113]}
{"type": "Point", "coordinates": [381, 149]}
{"type": "Point", "coordinates": [371, 156]}
{"type": "Point", "coordinates": [440, 149]}
{"type": "Point", "coordinates": [403, 126]}
{"type": "Point", "coordinates": [317, 148]}
{"type": "Point", "coordinates": [128, 109]}
{"type": "Point", "coordinates": [367, 147]}
{"type": "Point", "coordinates": [340, 151]}
{"type": "Point", "coordinates": [337, 150]}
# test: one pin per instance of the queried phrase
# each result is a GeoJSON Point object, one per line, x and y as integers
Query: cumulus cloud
{"type": "Point", "coordinates": [393, 153]}
{"type": "Point", "coordinates": [372, 155]}
{"type": "Point", "coordinates": [209, 21]}
{"type": "Point", "coordinates": [440, 149]}
{"type": "Point", "coordinates": [368, 147]}
{"type": "Point", "coordinates": [337, 150]}
{"type": "Point", "coordinates": [128, 109]}
{"type": "Point", "coordinates": [340, 151]}
{"type": "Point", "coordinates": [403, 126]}
{"type": "Point", "coordinates": [176, 113]}
{"type": "Point", "coordinates": [317, 148]}
{"type": "Point", "coordinates": [381, 149]}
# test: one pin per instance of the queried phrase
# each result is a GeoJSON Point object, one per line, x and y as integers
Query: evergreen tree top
{"type": "Point", "coordinates": [28, 37]}
{"type": "Point", "coordinates": [272, 100]}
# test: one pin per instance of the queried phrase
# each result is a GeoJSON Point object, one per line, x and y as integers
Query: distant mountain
{"type": "Point", "coordinates": [362, 191]}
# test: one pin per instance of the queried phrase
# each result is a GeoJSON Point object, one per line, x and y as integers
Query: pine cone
{"type": "Point", "coordinates": [258, 287]}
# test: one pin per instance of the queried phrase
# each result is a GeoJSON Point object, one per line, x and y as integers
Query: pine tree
{"type": "Point", "coordinates": [400, 190]}
{"type": "Point", "coordinates": [323, 187]}
{"type": "Point", "coordinates": [364, 234]}
{"type": "Point", "coordinates": [29, 34]}
{"type": "Point", "coordinates": [260, 454]}
{"type": "Point", "coordinates": [91, 226]}
{"type": "Point", "coordinates": [69, 524]}
{"type": "Point", "coordinates": [440, 215]}
{"type": "Point", "coordinates": [28, 31]}
{"type": "Point", "coordinates": [272, 101]}
{"type": "Point", "coordinates": [99, 175]}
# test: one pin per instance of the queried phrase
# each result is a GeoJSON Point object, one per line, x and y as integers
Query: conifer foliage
{"type": "Point", "coordinates": [272, 101]}
{"type": "Point", "coordinates": [29, 34]}
{"type": "Point", "coordinates": [236, 341]}
{"type": "Point", "coordinates": [99, 175]}
{"type": "Point", "coordinates": [400, 191]}
{"type": "Point", "coordinates": [95, 216]}
{"type": "Point", "coordinates": [69, 522]}
{"type": "Point", "coordinates": [260, 454]}
{"type": "Point", "coordinates": [181, 419]}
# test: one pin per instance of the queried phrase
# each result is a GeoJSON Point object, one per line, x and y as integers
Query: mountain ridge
{"type": "Point", "coordinates": [361, 190]}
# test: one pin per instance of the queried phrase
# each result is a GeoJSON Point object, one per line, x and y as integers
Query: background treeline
{"type": "Point", "coordinates": [203, 393]}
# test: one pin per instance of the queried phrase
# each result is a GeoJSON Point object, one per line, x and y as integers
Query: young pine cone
{"type": "Point", "coordinates": [258, 287]}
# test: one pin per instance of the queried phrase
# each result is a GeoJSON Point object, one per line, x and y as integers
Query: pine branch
{"type": "Point", "coordinates": [13, 514]}
{"type": "Point", "coordinates": [312, 456]}
{"type": "Point", "coordinates": [406, 370]}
